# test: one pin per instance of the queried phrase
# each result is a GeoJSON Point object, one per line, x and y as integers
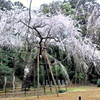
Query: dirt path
{"type": "Point", "coordinates": [93, 94]}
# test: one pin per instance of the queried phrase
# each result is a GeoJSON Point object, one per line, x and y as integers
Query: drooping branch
{"type": "Point", "coordinates": [63, 68]}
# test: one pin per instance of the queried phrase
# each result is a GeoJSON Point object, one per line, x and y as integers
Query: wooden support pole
{"type": "Point", "coordinates": [25, 90]}
{"type": "Point", "coordinates": [25, 87]}
{"type": "Point", "coordinates": [51, 71]}
{"type": "Point", "coordinates": [66, 85]}
{"type": "Point", "coordinates": [44, 87]}
{"type": "Point", "coordinates": [43, 83]}
{"type": "Point", "coordinates": [79, 97]}
{"type": "Point", "coordinates": [13, 81]}
{"type": "Point", "coordinates": [59, 84]}
{"type": "Point", "coordinates": [5, 80]}
{"type": "Point", "coordinates": [38, 74]}
{"type": "Point", "coordinates": [48, 78]}
{"type": "Point", "coordinates": [34, 79]}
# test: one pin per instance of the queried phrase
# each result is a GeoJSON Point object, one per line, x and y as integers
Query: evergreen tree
{"type": "Point", "coordinates": [19, 4]}
{"type": "Point", "coordinates": [5, 4]}
{"type": "Point", "coordinates": [67, 8]}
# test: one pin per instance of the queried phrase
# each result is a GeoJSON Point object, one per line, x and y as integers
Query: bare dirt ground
{"type": "Point", "coordinates": [90, 93]}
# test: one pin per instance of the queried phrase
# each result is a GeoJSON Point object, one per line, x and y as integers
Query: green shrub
{"type": "Point", "coordinates": [94, 81]}
{"type": "Point", "coordinates": [61, 91]}
{"type": "Point", "coordinates": [98, 83]}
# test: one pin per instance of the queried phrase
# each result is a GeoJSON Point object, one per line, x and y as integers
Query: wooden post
{"type": "Point", "coordinates": [25, 91]}
{"type": "Point", "coordinates": [51, 71]}
{"type": "Point", "coordinates": [57, 76]}
{"type": "Point", "coordinates": [5, 80]}
{"type": "Point", "coordinates": [79, 97]}
{"type": "Point", "coordinates": [44, 87]}
{"type": "Point", "coordinates": [43, 83]}
{"type": "Point", "coordinates": [38, 74]}
{"type": "Point", "coordinates": [34, 80]}
{"type": "Point", "coordinates": [13, 80]}
{"type": "Point", "coordinates": [25, 88]}
{"type": "Point", "coordinates": [5, 91]}
{"type": "Point", "coordinates": [59, 84]}
{"type": "Point", "coordinates": [66, 85]}
{"type": "Point", "coordinates": [48, 78]}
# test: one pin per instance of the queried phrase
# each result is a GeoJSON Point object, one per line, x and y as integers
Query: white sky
{"type": "Point", "coordinates": [98, 1]}
{"type": "Point", "coordinates": [37, 3]}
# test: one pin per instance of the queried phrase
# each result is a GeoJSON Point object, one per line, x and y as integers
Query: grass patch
{"type": "Point", "coordinates": [31, 87]}
{"type": "Point", "coordinates": [80, 88]}
{"type": "Point", "coordinates": [98, 96]}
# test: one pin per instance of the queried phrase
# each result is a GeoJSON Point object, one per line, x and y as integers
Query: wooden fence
{"type": "Point", "coordinates": [28, 92]}
{"type": "Point", "coordinates": [9, 93]}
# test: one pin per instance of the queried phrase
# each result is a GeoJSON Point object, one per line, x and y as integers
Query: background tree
{"type": "Point", "coordinates": [6, 4]}
{"type": "Point", "coordinates": [82, 50]}
{"type": "Point", "coordinates": [45, 8]}
{"type": "Point", "coordinates": [6, 63]}
{"type": "Point", "coordinates": [52, 8]}
{"type": "Point", "coordinates": [19, 5]}
{"type": "Point", "coordinates": [67, 8]}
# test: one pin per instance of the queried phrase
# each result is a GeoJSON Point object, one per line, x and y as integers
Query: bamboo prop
{"type": "Point", "coordinates": [34, 79]}
{"type": "Point", "coordinates": [48, 78]}
{"type": "Point", "coordinates": [43, 82]}
{"type": "Point", "coordinates": [38, 74]}
{"type": "Point", "coordinates": [51, 71]}
{"type": "Point", "coordinates": [44, 87]}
